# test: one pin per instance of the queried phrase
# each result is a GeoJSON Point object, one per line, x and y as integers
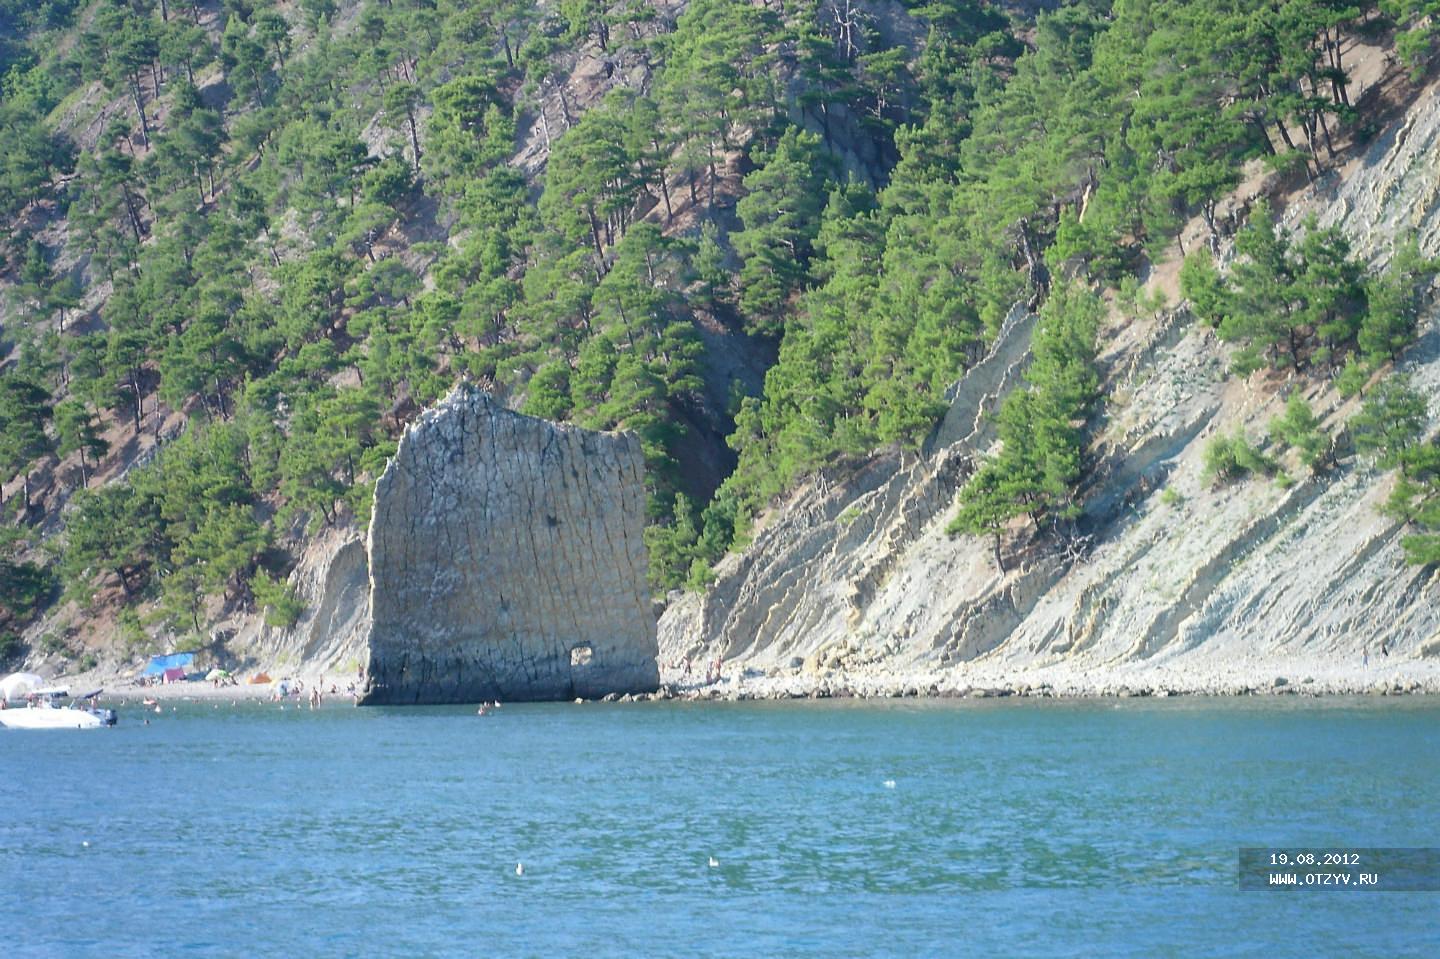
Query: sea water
{"type": "Point", "coordinates": [904, 828]}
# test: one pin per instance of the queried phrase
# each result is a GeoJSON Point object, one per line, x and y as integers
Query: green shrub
{"type": "Point", "coordinates": [11, 648]}
{"type": "Point", "coordinates": [1298, 427]}
{"type": "Point", "coordinates": [26, 588]}
{"type": "Point", "coordinates": [1351, 379]}
{"type": "Point", "coordinates": [282, 606]}
{"type": "Point", "coordinates": [1229, 458]}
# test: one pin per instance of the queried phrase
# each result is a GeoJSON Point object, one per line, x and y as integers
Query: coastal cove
{"type": "Point", "coordinates": [720, 478]}
{"type": "Point", "coordinates": [932, 827]}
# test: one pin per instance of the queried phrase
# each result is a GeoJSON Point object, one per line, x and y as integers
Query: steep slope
{"type": "Point", "coordinates": [1175, 585]}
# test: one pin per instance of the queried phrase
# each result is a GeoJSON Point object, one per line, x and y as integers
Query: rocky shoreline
{"type": "Point", "coordinates": [1401, 679]}
{"type": "Point", "coordinates": [739, 682]}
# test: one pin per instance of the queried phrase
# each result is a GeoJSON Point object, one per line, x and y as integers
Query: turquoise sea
{"type": "Point", "coordinates": [1012, 828]}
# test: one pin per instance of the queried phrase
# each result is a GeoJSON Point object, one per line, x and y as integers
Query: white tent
{"type": "Point", "coordinates": [15, 686]}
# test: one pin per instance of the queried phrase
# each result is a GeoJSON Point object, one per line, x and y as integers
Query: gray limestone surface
{"type": "Point", "coordinates": [507, 561]}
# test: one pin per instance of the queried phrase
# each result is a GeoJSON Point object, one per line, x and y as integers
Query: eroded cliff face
{"type": "Point", "coordinates": [331, 638]}
{"type": "Point", "coordinates": [507, 562]}
{"type": "Point", "coordinates": [856, 584]}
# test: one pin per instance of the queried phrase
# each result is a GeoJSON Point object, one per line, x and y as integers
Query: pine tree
{"type": "Point", "coordinates": [781, 213]}
{"type": "Point", "coordinates": [986, 508]}
{"type": "Point", "coordinates": [1263, 317]}
{"type": "Point", "coordinates": [1298, 427]}
{"type": "Point", "coordinates": [672, 546]}
{"type": "Point", "coordinates": [24, 408]}
{"type": "Point", "coordinates": [1394, 302]}
{"type": "Point", "coordinates": [401, 102]}
{"type": "Point", "coordinates": [1202, 284]}
{"type": "Point", "coordinates": [1040, 463]}
{"type": "Point", "coordinates": [1391, 421]}
{"type": "Point", "coordinates": [78, 430]}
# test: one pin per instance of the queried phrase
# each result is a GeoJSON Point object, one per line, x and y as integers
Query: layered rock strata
{"type": "Point", "coordinates": [1174, 583]}
{"type": "Point", "coordinates": [333, 581]}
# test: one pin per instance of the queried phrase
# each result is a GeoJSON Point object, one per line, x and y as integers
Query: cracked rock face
{"type": "Point", "coordinates": [507, 562]}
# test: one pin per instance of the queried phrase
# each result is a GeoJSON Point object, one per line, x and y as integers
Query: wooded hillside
{"type": "Point", "coordinates": [247, 241]}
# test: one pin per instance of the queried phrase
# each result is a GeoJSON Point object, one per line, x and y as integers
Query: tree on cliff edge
{"type": "Point", "coordinates": [1392, 425]}
{"type": "Point", "coordinates": [1039, 465]}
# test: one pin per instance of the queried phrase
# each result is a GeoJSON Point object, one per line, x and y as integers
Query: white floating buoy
{"type": "Point", "coordinates": [889, 784]}
{"type": "Point", "coordinates": [519, 869]}
{"type": "Point", "coordinates": [714, 863]}
{"type": "Point", "coordinates": [86, 843]}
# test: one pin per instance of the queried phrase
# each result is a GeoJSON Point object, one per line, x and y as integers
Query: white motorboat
{"type": "Point", "coordinates": [48, 709]}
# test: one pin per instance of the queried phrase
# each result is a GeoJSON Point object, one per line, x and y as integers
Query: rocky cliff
{"type": "Point", "coordinates": [331, 637]}
{"type": "Point", "coordinates": [1173, 585]}
{"type": "Point", "coordinates": [506, 561]}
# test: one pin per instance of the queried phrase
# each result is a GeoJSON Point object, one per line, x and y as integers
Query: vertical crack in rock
{"type": "Point", "coordinates": [499, 543]}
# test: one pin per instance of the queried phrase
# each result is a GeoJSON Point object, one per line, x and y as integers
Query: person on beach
{"type": "Point", "coordinates": [1365, 658]}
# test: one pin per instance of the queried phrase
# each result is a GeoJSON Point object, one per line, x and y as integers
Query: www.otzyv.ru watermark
{"type": "Point", "coordinates": [1361, 869]}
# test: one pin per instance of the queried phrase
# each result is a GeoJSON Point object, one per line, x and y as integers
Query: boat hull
{"type": "Point", "coordinates": [64, 718]}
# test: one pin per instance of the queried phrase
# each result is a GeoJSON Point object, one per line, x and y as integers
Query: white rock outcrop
{"type": "Point", "coordinates": [856, 583]}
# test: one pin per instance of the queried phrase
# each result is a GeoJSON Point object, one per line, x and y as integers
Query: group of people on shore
{"type": "Point", "coordinates": [156, 680]}
{"type": "Point", "coordinates": [712, 669]}
{"type": "Point", "coordinates": [315, 697]}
